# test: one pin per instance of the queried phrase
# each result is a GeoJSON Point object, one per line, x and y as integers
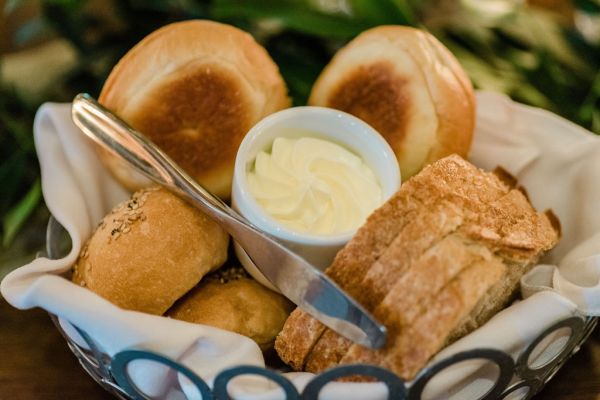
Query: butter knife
{"type": "Point", "coordinates": [298, 280]}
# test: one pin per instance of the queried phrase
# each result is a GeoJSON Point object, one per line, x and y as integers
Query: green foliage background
{"type": "Point", "coordinates": [512, 48]}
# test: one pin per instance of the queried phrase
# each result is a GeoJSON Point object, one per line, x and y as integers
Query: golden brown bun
{"type": "Point", "coordinates": [194, 88]}
{"type": "Point", "coordinates": [149, 251]}
{"type": "Point", "coordinates": [435, 262]}
{"type": "Point", "coordinates": [407, 86]}
{"type": "Point", "coordinates": [239, 305]}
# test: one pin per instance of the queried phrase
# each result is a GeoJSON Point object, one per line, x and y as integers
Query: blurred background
{"type": "Point", "coordinates": [541, 52]}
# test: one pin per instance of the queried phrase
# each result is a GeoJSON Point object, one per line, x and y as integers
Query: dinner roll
{"type": "Point", "coordinates": [231, 300]}
{"type": "Point", "coordinates": [149, 251]}
{"type": "Point", "coordinates": [194, 88]}
{"type": "Point", "coordinates": [409, 87]}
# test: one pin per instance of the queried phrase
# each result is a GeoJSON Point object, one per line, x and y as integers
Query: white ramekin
{"type": "Point", "coordinates": [325, 123]}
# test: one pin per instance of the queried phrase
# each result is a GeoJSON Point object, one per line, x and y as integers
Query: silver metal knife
{"type": "Point", "coordinates": [299, 281]}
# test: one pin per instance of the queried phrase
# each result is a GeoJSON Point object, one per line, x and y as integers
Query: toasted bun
{"type": "Point", "coordinates": [237, 304]}
{"type": "Point", "coordinates": [149, 251]}
{"type": "Point", "coordinates": [194, 88]}
{"type": "Point", "coordinates": [409, 87]}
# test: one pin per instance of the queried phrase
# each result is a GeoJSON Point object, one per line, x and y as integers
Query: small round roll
{"type": "Point", "coordinates": [409, 87]}
{"type": "Point", "coordinates": [149, 251]}
{"type": "Point", "coordinates": [194, 88]}
{"type": "Point", "coordinates": [234, 302]}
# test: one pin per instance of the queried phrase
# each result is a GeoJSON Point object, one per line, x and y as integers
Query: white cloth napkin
{"type": "Point", "coordinates": [558, 162]}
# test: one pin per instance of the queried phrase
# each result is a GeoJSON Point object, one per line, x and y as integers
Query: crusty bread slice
{"type": "Point", "coordinates": [452, 177]}
{"type": "Point", "coordinates": [297, 338]}
{"type": "Point", "coordinates": [415, 347]}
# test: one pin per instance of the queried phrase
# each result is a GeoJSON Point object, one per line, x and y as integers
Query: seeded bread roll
{"type": "Point", "coordinates": [231, 300]}
{"type": "Point", "coordinates": [409, 87]}
{"type": "Point", "coordinates": [194, 88]}
{"type": "Point", "coordinates": [149, 251]}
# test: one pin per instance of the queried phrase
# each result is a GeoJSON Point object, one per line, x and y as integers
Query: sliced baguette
{"type": "Point", "coordinates": [508, 227]}
{"type": "Point", "coordinates": [493, 219]}
{"type": "Point", "coordinates": [451, 177]}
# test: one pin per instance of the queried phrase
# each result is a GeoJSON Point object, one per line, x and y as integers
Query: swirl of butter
{"type": "Point", "coordinates": [314, 186]}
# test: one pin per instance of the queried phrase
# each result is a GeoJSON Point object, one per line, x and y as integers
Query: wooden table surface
{"type": "Point", "coordinates": [36, 364]}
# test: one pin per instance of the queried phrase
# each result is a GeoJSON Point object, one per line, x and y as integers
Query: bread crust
{"type": "Point", "coordinates": [414, 347]}
{"type": "Point", "coordinates": [409, 87]}
{"type": "Point", "coordinates": [195, 88]}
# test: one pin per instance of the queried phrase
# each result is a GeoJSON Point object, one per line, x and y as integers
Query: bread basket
{"type": "Point", "coordinates": [113, 345]}
{"type": "Point", "coordinates": [515, 380]}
